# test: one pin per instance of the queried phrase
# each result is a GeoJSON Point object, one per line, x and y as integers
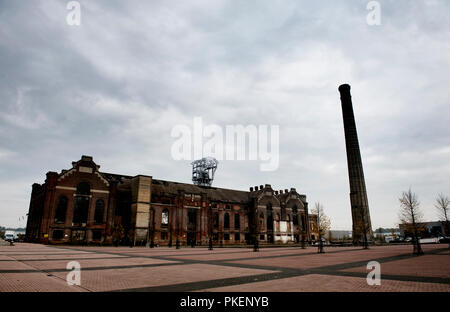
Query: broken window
{"type": "Point", "coordinates": [165, 218]}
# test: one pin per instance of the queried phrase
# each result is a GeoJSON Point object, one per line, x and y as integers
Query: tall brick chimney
{"type": "Point", "coordinates": [358, 194]}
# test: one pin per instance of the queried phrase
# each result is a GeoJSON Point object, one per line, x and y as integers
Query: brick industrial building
{"type": "Point", "coordinates": [84, 205]}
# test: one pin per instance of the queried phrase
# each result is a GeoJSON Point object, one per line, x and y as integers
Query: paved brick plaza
{"type": "Point", "coordinates": [33, 267]}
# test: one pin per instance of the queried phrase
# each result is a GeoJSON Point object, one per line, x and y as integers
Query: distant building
{"type": "Point", "coordinates": [84, 205]}
{"type": "Point", "coordinates": [426, 229]}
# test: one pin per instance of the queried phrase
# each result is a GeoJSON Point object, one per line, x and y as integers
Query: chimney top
{"type": "Point", "coordinates": [344, 88]}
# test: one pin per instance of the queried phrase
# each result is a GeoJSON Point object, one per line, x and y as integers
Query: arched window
{"type": "Point", "coordinates": [216, 220]}
{"type": "Point", "coordinates": [295, 215]}
{"type": "Point", "coordinates": [226, 221]}
{"type": "Point", "coordinates": [261, 219]}
{"type": "Point", "coordinates": [277, 222]}
{"type": "Point", "coordinates": [237, 221]}
{"type": "Point", "coordinates": [269, 216]}
{"type": "Point", "coordinates": [165, 218]}
{"type": "Point", "coordinates": [61, 208]}
{"type": "Point", "coordinates": [99, 211]}
{"type": "Point", "coordinates": [81, 205]}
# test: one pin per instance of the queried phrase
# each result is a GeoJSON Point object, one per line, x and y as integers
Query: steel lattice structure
{"type": "Point", "coordinates": [203, 171]}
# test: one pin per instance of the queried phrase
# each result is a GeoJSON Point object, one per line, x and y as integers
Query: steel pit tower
{"type": "Point", "coordinates": [358, 195]}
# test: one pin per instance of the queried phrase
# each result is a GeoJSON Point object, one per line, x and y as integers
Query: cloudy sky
{"type": "Point", "coordinates": [115, 86]}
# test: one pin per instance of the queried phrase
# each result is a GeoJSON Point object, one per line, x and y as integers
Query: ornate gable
{"type": "Point", "coordinates": [83, 169]}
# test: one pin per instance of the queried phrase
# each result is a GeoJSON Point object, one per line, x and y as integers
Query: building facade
{"type": "Point", "coordinates": [83, 205]}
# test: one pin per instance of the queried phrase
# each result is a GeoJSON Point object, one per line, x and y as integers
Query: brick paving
{"type": "Point", "coordinates": [40, 268]}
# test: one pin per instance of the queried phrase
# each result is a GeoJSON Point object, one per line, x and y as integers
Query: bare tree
{"type": "Point", "coordinates": [443, 206]}
{"type": "Point", "coordinates": [410, 215]}
{"type": "Point", "coordinates": [323, 224]}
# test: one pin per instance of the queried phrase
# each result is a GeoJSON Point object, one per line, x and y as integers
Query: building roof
{"type": "Point", "coordinates": [213, 193]}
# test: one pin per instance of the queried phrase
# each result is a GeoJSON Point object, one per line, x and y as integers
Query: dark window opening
{"type": "Point", "coordinates": [226, 221]}
{"type": "Point", "coordinates": [96, 235]}
{"type": "Point", "coordinates": [99, 211]}
{"type": "Point", "coordinates": [269, 216]}
{"type": "Point", "coordinates": [58, 234]}
{"type": "Point", "coordinates": [81, 209]}
{"type": "Point", "coordinates": [295, 215]}
{"type": "Point", "coordinates": [261, 237]}
{"type": "Point", "coordinates": [60, 214]}
{"type": "Point", "coordinates": [164, 235]}
{"type": "Point", "coordinates": [81, 205]}
{"type": "Point", "coordinates": [192, 216]}
{"type": "Point", "coordinates": [237, 237]}
{"type": "Point", "coordinates": [226, 237]}
{"type": "Point", "coordinates": [237, 221]}
{"type": "Point", "coordinates": [83, 188]}
{"type": "Point", "coordinates": [216, 220]}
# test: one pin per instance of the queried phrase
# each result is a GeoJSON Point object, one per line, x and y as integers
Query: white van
{"type": "Point", "coordinates": [10, 236]}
